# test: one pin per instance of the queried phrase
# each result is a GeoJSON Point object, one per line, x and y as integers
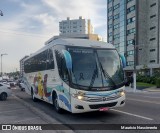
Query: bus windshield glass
{"type": "Point", "coordinates": [96, 69]}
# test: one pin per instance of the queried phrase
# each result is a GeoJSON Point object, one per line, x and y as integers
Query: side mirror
{"type": "Point", "coordinates": [123, 60]}
{"type": "Point", "coordinates": [68, 59]}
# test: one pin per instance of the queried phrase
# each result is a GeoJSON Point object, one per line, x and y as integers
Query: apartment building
{"type": "Point", "coordinates": [78, 28]}
{"type": "Point", "coordinates": [135, 22]}
{"type": "Point", "coordinates": [75, 26]}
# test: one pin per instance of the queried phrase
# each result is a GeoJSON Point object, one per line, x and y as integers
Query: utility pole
{"type": "Point", "coordinates": [134, 71]}
{"type": "Point", "coordinates": [1, 64]}
{"type": "Point", "coordinates": [1, 13]}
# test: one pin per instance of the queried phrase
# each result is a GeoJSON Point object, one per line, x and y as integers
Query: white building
{"type": "Point", "coordinates": [75, 26]}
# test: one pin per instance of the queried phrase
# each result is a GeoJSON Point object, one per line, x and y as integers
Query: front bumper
{"type": "Point", "coordinates": [79, 106]}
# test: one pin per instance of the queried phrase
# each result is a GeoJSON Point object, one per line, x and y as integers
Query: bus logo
{"type": "Point", "coordinates": [6, 127]}
{"type": "Point", "coordinates": [104, 99]}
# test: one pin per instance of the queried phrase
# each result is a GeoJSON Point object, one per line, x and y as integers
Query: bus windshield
{"type": "Point", "coordinates": [96, 69]}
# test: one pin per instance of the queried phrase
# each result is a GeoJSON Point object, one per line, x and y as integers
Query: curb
{"type": "Point", "coordinates": [143, 90]}
{"type": "Point", "coordinates": [44, 116]}
{"type": "Point", "coordinates": [151, 90]}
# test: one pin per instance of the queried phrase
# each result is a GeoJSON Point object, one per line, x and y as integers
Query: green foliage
{"type": "Point", "coordinates": [147, 79]}
{"type": "Point", "coordinates": [158, 82]}
{"type": "Point", "coordinates": [157, 73]}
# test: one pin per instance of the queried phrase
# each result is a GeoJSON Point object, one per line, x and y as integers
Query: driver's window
{"type": "Point", "coordinates": [63, 71]}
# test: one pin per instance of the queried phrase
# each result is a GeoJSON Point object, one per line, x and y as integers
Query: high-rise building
{"type": "Point", "coordinates": [135, 22]}
{"type": "Point", "coordinates": [75, 26]}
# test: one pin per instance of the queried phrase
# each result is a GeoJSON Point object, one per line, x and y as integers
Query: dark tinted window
{"type": "Point", "coordinates": [40, 62]}
{"type": "Point", "coordinates": [153, 5]}
{"type": "Point", "coordinates": [152, 61]}
{"type": "Point", "coordinates": [152, 50]}
{"type": "Point", "coordinates": [153, 16]}
{"type": "Point", "coordinates": [132, 8]}
{"type": "Point", "coordinates": [152, 39]}
{"type": "Point", "coordinates": [50, 60]}
{"type": "Point", "coordinates": [62, 69]}
{"type": "Point", "coordinates": [152, 27]}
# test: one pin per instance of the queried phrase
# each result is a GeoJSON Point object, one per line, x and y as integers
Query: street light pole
{"type": "Point", "coordinates": [134, 71]}
{"type": "Point", "coordinates": [1, 64]}
{"type": "Point", "coordinates": [1, 13]}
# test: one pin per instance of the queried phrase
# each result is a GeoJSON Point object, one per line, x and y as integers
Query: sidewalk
{"type": "Point", "coordinates": [16, 111]}
{"type": "Point", "coordinates": [129, 89]}
{"type": "Point", "coordinates": [151, 89]}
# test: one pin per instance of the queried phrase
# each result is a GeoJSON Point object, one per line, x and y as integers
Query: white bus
{"type": "Point", "coordinates": [77, 75]}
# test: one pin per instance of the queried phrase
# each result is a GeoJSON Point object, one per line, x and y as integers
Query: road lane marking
{"type": "Point", "coordinates": [26, 120]}
{"type": "Point", "coordinates": [142, 101]}
{"type": "Point", "coordinates": [143, 96]}
{"type": "Point", "coordinates": [139, 116]}
{"type": "Point", "coordinates": [12, 110]}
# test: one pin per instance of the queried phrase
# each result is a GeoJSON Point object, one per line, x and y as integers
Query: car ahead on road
{"type": "Point", "coordinates": [4, 92]}
{"type": "Point", "coordinates": [11, 83]}
{"type": "Point", "coordinates": [22, 86]}
{"type": "Point", "coordinates": [6, 84]}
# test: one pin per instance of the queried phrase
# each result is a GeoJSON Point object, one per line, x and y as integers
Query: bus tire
{"type": "Point", "coordinates": [3, 96]}
{"type": "Point", "coordinates": [33, 97]}
{"type": "Point", "coordinates": [55, 103]}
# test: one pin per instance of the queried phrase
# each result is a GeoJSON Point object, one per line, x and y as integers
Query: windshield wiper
{"type": "Point", "coordinates": [93, 78]}
{"type": "Point", "coordinates": [106, 75]}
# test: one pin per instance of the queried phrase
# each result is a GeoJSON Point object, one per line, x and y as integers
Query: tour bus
{"type": "Point", "coordinates": [77, 75]}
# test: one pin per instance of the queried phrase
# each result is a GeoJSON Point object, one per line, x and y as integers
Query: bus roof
{"type": "Point", "coordinates": [74, 42]}
{"type": "Point", "coordinates": [80, 42]}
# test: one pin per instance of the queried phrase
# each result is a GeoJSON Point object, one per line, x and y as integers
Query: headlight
{"type": "Point", "coordinates": [121, 93]}
{"type": "Point", "coordinates": [80, 97]}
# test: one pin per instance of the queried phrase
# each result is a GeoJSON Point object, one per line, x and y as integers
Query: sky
{"type": "Point", "coordinates": [27, 24]}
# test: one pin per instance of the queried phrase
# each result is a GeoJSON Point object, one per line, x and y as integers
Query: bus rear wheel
{"type": "Point", "coordinates": [56, 104]}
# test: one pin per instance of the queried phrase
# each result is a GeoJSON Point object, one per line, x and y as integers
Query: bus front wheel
{"type": "Point", "coordinates": [56, 104]}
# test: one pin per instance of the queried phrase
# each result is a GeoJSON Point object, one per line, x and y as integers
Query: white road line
{"type": "Point", "coordinates": [13, 110]}
{"type": "Point", "coordinates": [143, 96]}
{"type": "Point", "coordinates": [142, 101]}
{"type": "Point", "coordinates": [27, 119]}
{"type": "Point", "coordinates": [139, 116]}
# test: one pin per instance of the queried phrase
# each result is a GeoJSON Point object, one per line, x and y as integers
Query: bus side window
{"type": "Point", "coordinates": [50, 60]}
{"type": "Point", "coordinates": [63, 72]}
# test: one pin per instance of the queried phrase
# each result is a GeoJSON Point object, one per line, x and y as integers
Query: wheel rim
{"type": "Point", "coordinates": [3, 96]}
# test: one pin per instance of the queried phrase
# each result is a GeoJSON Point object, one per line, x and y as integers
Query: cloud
{"type": "Point", "coordinates": [89, 9]}
{"type": "Point", "coordinates": [25, 30]}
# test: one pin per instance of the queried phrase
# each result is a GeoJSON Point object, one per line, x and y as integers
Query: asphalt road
{"type": "Point", "coordinates": [140, 108]}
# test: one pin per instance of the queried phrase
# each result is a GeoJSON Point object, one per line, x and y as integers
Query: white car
{"type": "Point", "coordinates": [22, 86]}
{"type": "Point", "coordinates": [11, 83]}
{"type": "Point", "coordinates": [4, 92]}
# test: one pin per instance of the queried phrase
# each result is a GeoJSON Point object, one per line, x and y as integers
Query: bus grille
{"type": "Point", "coordinates": [100, 99]}
{"type": "Point", "coordinates": [97, 106]}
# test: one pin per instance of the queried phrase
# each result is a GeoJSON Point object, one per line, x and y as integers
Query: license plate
{"type": "Point", "coordinates": [104, 109]}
